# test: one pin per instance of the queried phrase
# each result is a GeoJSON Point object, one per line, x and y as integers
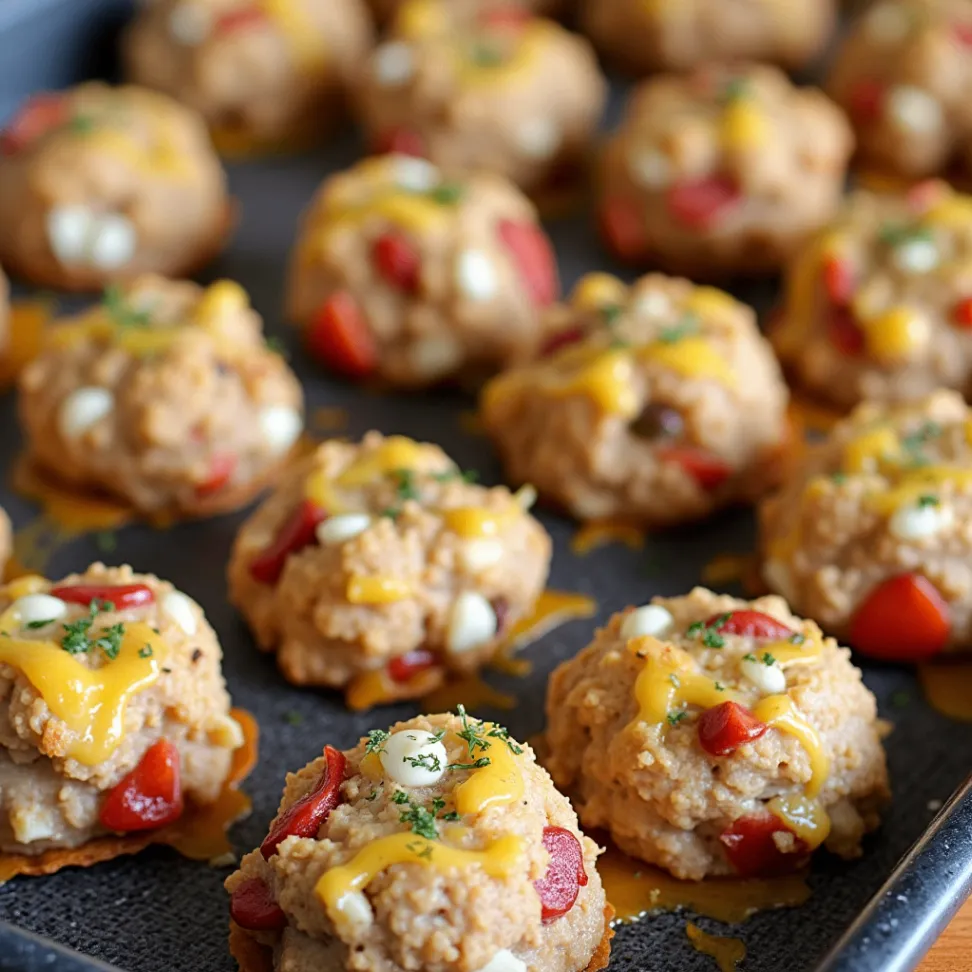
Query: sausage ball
{"type": "Point", "coordinates": [262, 73]}
{"type": "Point", "coordinates": [160, 737]}
{"type": "Point", "coordinates": [439, 844]}
{"type": "Point", "coordinates": [485, 88]}
{"type": "Point", "coordinates": [879, 304]}
{"type": "Point", "coordinates": [903, 74]}
{"type": "Point", "coordinates": [402, 274]}
{"type": "Point", "coordinates": [714, 736]}
{"type": "Point", "coordinates": [98, 184]}
{"type": "Point", "coordinates": [658, 404]}
{"type": "Point", "coordinates": [871, 537]}
{"type": "Point", "coordinates": [722, 171]}
{"type": "Point", "coordinates": [378, 568]}
{"type": "Point", "coordinates": [642, 36]}
{"type": "Point", "coordinates": [166, 396]}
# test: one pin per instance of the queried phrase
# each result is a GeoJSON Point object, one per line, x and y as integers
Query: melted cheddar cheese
{"type": "Point", "coordinates": [896, 334]}
{"type": "Point", "coordinates": [476, 522]}
{"type": "Point", "coordinates": [303, 36]}
{"type": "Point", "coordinates": [779, 712]}
{"type": "Point", "coordinates": [497, 784]}
{"type": "Point", "coordinates": [364, 589]}
{"type": "Point", "coordinates": [595, 291]}
{"type": "Point", "coordinates": [743, 127]}
{"type": "Point", "coordinates": [804, 816]}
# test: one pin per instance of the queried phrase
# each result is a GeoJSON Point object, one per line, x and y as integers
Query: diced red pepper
{"type": "Point", "coordinates": [559, 887]}
{"type": "Point", "coordinates": [244, 18]}
{"type": "Point", "coordinates": [397, 261]}
{"type": "Point", "coordinates": [707, 470]}
{"type": "Point", "coordinates": [252, 907]}
{"type": "Point", "coordinates": [838, 279]}
{"type": "Point", "coordinates": [534, 258]}
{"type": "Point", "coordinates": [726, 727]}
{"type": "Point", "coordinates": [963, 33]}
{"type": "Point", "coordinates": [622, 226]}
{"type": "Point", "coordinates": [962, 314]}
{"type": "Point", "coordinates": [400, 141]}
{"type": "Point", "coordinates": [865, 100]}
{"type": "Point", "coordinates": [339, 336]}
{"type": "Point", "coordinates": [561, 340]}
{"type": "Point", "coordinates": [753, 852]}
{"type": "Point", "coordinates": [306, 817]}
{"type": "Point", "coordinates": [505, 18]}
{"type": "Point", "coordinates": [902, 619]}
{"type": "Point", "coordinates": [40, 114]}
{"type": "Point", "coordinates": [148, 797]}
{"type": "Point", "coordinates": [407, 666]}
{"type": "Point", "coordinates": [298, 532]}
{"type": "Point", "coordinates": [701, 203]}
{"type": "Point", "coordinates": [751, 624]}
{"type": "Point", "coordinates": [844, 332]}
{"type": "Point", "coordinates": [121, 595]}
{"type": "Point", "coordinates": [923, 195]}
{"type": "Point", "coordinates": [221, 471]}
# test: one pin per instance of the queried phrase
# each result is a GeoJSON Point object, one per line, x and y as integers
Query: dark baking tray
{"type": "Point", "coordinates": [160, 913]}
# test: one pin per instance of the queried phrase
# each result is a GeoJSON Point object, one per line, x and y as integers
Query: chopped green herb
{"type": "Point", "coordinates": [486, 55]}
{"type": "Point", "coordinates": [839, 478]}
{"type": "Point", "coordinates": [145, 651]}
{"type": "Point", "coordinates": [420, 850]}
{"type": "Point", "coordinates": [797, 638]}
{"type": "Point", "coordinates": [618, 344]}
{"type": "Point", "coordinates": [674, 718]}
{"type": "Point", "coordinates": [438, 804]}
{"type": "Point", "coordinates": [924, 501]}
{"type": "Point", "coordinates": [675, 680]}
{"type": "Point", "coordinates": [421, 820]}
{"type": "Point", "coordinates": [451, 475]}
{"type": "Point", "coordinates": [749, 656]}
{"type": "Point", "coordinates": [372, 795]}
{"type": "Point", "coordinates": [399, 797]}
{"type": "Point", "coordinates": [106, 541]}
{"type": "Point", "coordinates": [376, 740]}
{"type": "Point", "coordinates": [611, 314]}
{"type": "Point", "coordinates": [734, 89]}
{"type": "Point", "coordinates": [77, 642]}
{"type": "Point", "coordinates": [768, 659]}
{"type": "Point", "coordinates": [451, 815]}
{"type": "Point", "coordinates": [405, 484]}
{"type": "Point", "coordinates": [478, 764]}
{"type": "Point", "coordinates": [447, 193]}
{"type": "Point", "coordinates": [276, 346]}
{"type": "Point", "coordinates": [688, 325]}
{"type": "Point", "coordinates": [121, 311]}
{"type": "Point", "coordinates": [719, 687]}
{"type": "Point", "coordinates": [709, 632]}
{"type": "Point", "coordinates": [897, 234]}
{"type": "Point", "coordinates": [81, 124]}
{"type": "Point", "coordinates": [927, 431]}
{"type": "Point", "coordinates": [34, 625]}
{"type": "Point", "coordinates": [391, 512]}
{"type": "Point", "coordinates": [110, 641]}
{"type": "Point", "coordinates": [426, 761]}
{"type": "Point", "coordinates": [293, 718]}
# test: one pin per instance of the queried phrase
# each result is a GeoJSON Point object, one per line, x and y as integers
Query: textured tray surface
{"type": "Point", "coordinates": [158, 912]}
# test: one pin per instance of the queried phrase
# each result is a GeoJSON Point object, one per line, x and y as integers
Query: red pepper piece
{"type": "Point", "coordinates": [400, 141]}
{"type": "Point", "coordinates": [622, 226]}
{"type": "Point", "coordinates": [505, 18]}
{"type": "Point", "coordinates": [252, 907]}
{"type": "Point", "coordinates": [701, 203]}
{"type": "Point", "coordinates": [534, 258]}
{"type": "Point", "coordinates": [561, 340]}
{"type": "Point", "coordinates": [865, 100]}
{"type": "Point", "coordinates": [39, 115]}
{"type": "Point", "coordinates": [559, 887]}
{"type": "Point", "coordinates": [339, 336]}
{"type": "Point", "coordinates": [726, 727]}
{"type": "Point", "coordinates": [751, 624]}
{"type": "Point", "coordinates": [221, 471]}
{"type": "Point", "coordinates": [237, 20]}
{"type": "Point", "coordinates": [397, 261]}
{"type": "Point", "coordinates": [148, 797]}
{"type": "Point", "coordinates": [707, 470]}
{"type": "Point", "coordinates": [121, 595]}
{"type": "Point", "coordinates": [752, 851]}
{"type": "Point", "coordinates": [844, 332]}
{"type": "Point", "coordinates": [298, 532]}
{"type": "Point", "coordinates": [306, 817]}
{"type": "Point", "coordinates": [963, 33]}
{"type": "Point", "coordinates": [407, 666]}
{"type": "Point", "coordinates": [838, 280]}
{"type": "Point", "coordinates": [902, 619]}
{"type": "Point", "coordinates": [962, 314]}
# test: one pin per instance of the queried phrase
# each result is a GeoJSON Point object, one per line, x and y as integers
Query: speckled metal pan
{"type": "Point", "coordinates": [160, 913]}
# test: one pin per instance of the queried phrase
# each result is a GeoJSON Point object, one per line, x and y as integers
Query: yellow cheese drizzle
{"type": "Point", "coordinates": [304, 37]}
{"type": "Point", "coordinates": [91, 702]}
{"type": "Point", "coordinates": [744, 126]}
{"type": "Point", "coordinates": [496, 784]}
{"type": "Point", "coordinates": [363, 589]}
{"type": "Point", "coordinates": [779, 712]}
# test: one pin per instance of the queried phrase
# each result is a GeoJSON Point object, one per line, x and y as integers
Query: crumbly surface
{"type": "Point", "coordinates": [385, 10]}
{"type": "Point", "coordinates": [49, 798]}
{"type": "Point", "coordinates": [651, 35]}
{"type": "Point", "coordinates": [262, 75]}
{"type": "Point", "coordinates": [877, 305]}
{"type": "Point", "coordinates": [475, 89]}
{"type": "Point", "coordinates": [903, 74]}
{"type": "Point", "coordinates": [101, 183]}
{"type": "Point", "coordinates": [888, 493]}
{"type": "Point", "coordinates": [408, 494]}
{"type": "Point", "coordinates": [721, 171]}
{"type": "Point", "coordinates": [424, 917]}
{"type": "Point", "coordinates": [472, 305]}
{"type": "Point", "coordinates": [661, 796]}
{"type": "Point", "coordinates": [195, 413]}
{"type": "Point", "coordinates": [670, 405]}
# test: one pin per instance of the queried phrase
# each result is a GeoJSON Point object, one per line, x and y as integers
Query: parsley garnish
{"type": "Point", "coordinates": [145, 651]}
{"type": "Point", "coordinates": [421, 820]}
{"type": "Point", "coordinates": [420, 850]}
{"type": "Point", "coordinates": [447, 193]}
{"type": "Point", "coordinates": [110, 641]}
{"type": "Point", "coordinates": [924, 501]}
{"type": "Point", "coordinates": [81, 124]}
{"type": "Point", "coordinates": [839, 478]}
{"type": "Point", "coordinates": [451, 475]}
{"type": "Point", "coordinates": [77, 642]}
{"type": "Point", "coordinates": [897, 234]}
{"type": "Point", "coordinates": [797, 638]}
{"type": "Point", "coordinates": [275, 345]}
{"type": "Point", "coordinates": [121, 311]}
{"type": "Point", "coordinates": [674, 718]}
{"type": "Point", "coordinates": [478, 739]}
{"type": "Point", "coordinates": [451, 815]}
{"type": "Point", "coordinates": [734, 89]}
{"type": "Point", "coordinates": [688, 325]}
{"type": "Point", "coordinates": [34, 625]}
{"type": "Point", "coordinates": [611, 314]}
{"type": "Point", "coordinates": [426, 761]}
{"type": "Point", "coordinates": [376, 741]}
{"type": "Point", "coordinates": [768, 659]}
{"type": "Point", "coordinates": [749, 656]}
{"type": "Point", "coordinates": [914, 442]}
{"type": "Point", "coordinates": [486, 55]}
{"type": "Point", "coordinates": [719, 687]}
{"type": "Point", "coordinates": [709, 632]}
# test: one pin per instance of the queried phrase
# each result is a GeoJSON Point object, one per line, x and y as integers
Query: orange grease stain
{"type": "Point", "coordinates": [636, 889]}
{"type": "Point", "coordinates": [472, 692]}
{"type": "Point", "coordinates": [28, 321]}
{"type": "Point", "coordinates": [728, 952]}
{"type": "Point", "coordinates": [948, 688]}
{"type": "Point", "coordinates": [729, 568]}
{"type": "Point", "coordinates": [601, 533]}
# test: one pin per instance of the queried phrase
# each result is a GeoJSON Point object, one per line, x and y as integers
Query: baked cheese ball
{"type": "Point", "coordinates": [160, 737]}
{"type": "Point", "coordinates": [264, 74]}
{"type": "Point", "coordinates": [386, 10]}
{"type": "Point", "coordinates": [438, 845]}
{"type": "Point", "coordinates": [164, 395]}
{"type": "Point", "coordinates": [642, 36]}
{"type": "Point", "coordinates": [721, 171]}
{"type": "Point", "coordinates": [871, 537]}
{"type": "Point", "coordinates": [903, 74]}
{"type": "Point", "coordinates": [406, 275]}
{"type": "Point", "coordinates": [485, 88]}
{"type": "Point", "coordinates": [657, 404]}
{"type": "Point", "coordinates": [98, 184]}
{"type": "Point", "coordinates": [378, 568]}
{"type": "Point", "coordinates": [714, 736]}
{"type": "Point", "coordinates": [879, 304]}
